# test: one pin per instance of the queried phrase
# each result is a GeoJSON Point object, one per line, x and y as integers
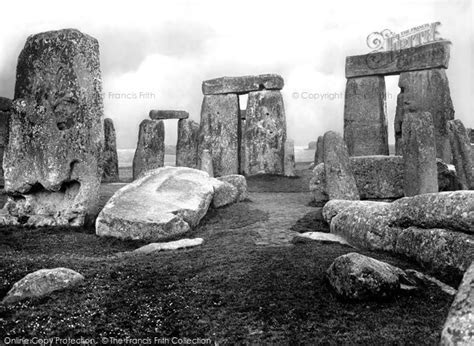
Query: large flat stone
{"type": "Point", "coordinates": [168, 114]}
{"type": "Point", "coordinates": [242, 85]}
{"type": "Point", "coordinates": [165, 202]}
{"type": "Point", "coordinates": [429, 56]}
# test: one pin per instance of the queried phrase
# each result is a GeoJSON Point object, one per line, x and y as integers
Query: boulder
{"type": "Point", "coordinates": [357, 277]}
{"type": "Point", "coordinates": [168, 114]}
{"type": "Point", "coordinates": [172, 245]}
{"type": "Point", "coordinates": [110, 170]}
{"type": "Point", "coordinates": [289, 164]}
{"type": "Point", "coordinates": [150, 152]}
{"type": "Point", "coordinates": [242, 85]}
{"type": "Point", "coordinates": [52, 159]}
{"type": "Point", "coordinates": [224, 193]}
{"type": "Point", "coordinates": [41, 283]}
{"type": "Point", "coordinates": [163, 203]}
{"type": "Point", "coordinates": [187, 144]}
{"type": "Point", "coordinates": [365, 116]}
{"type": "Point", "coordinates": [240, 184]}
{"type": "Point", "coordinates": [419, 154]}
{"type": "Point", "coordinates": [459, 326]}
{"type": "Point", "coordinates": [264, 135]}
{"type": "Point", "coordinates": [219, 132]}
{"type": "Point", "coordinates": [461, 151]}
{"type": "Point", "coordinates": [318, 154]}
{"type": "Point", "coordinates": [340, 182]}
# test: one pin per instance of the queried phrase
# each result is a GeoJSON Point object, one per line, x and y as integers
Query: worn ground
{"type": "Point", "coordinates": [246, 283]}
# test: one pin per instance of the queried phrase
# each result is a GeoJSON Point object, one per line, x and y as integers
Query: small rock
{"type": "Point", "coordinates": [172, 245]}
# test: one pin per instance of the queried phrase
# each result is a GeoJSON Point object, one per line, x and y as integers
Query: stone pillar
{"type": "Point", "coordinates": [219, 132]}
{"type": "Point", "coordinates": [150, 152]}
{"type": "Point", "coordinates": [318, 154]}
{"type": "Point", "coordinates": [5, 110]}
{"type": "Point", "coordinates": [419, 154]}
{"type": "Point", "coordinates": [427, 91]}
{"type": "Point", "coordinates": [290, 158]}
{"type": "Point", "coordinates": [206, 162]}
{"type": "Point", "coordinates": [110, 170]}
{"type": "Point", "coordinates": [265, 133]}
{"type": "Point", "coordinates": [56, 131]}
{"type": "Point", "coordinates": [461, 151]}
{"type": "Point", "coordinates": [340, 182]}
{"type": "Point", "coordinates": [187, 145]}
{"type": "Point", "coordinates": [365, 116]}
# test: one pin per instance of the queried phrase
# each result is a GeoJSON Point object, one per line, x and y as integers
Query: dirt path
{"type": "Point", "coordinates": [284, 210]}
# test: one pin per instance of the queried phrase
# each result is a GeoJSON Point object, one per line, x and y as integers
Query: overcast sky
{"type": "Point", "coordinates": [160, 51]}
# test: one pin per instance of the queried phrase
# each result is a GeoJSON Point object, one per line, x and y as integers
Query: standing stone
{"type": "Point", "coordinates": [399, 113]}
{"type": "Point", "coordinates": [365, 116]}
{"type": "Point", "coordinates": [265, 133]}
{"type": "Point", "coordinates": [206, 163]}
{"type": "Point", "coordinates": [427, 91]}
{"type": "Point", "coordinates": [461, 150]}
{"type": "Point", "coordinates": [56, 133]}
{"type": "Point", "coordinates": [290, 158]}
{"type": "Point", "coordinates": [470, 134]}
{"type": "Point", "coordinates": [5, 110]}
{"type": "Point", "coordinates": [150, 152]}
{"type": "Point", "coordinates": [187, 145]}
{"type": "Point", "coordinates": [318, 154]}
{"type": "Point", "coordinates": [419, 154]}
{"type": "Point", "coordinates": [219, 132]}
{"type": "Point", "coordinates": [340, 182]}
{"type": "Point", "coordinates": [110, 171]}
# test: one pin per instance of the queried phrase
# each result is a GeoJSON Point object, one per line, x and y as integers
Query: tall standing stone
{"type": "Point", "coordinates": [427, 91]}
{"type": "Point", "coordinates": [290, 158]}
{"type": "Point", "coordinates": [461, 150]}
{"type": "Point", "coordinates": [150, 152]}
{"type": "Point", "coordinates": [265, 133]}
{"type": "Point", "coordinates": [340, 182]}
{"type": "Point", "coordinates": [110, 170]}
{"type": "Point", "coordinates": [187, 145]}
{"type": "Point", "coordinates": [5, 110]}
{"type": "Point", "coordinates": [205, 162]}
{"type": "Point", "coordinates": [56, 130]}
{"type": "Point", "coordinates": [219, 132]}
{"type": "Point", "coordinates": [365, 116]}
{"type": "Point", "coordinates": [318, 154]}
{"type": "Point", "coordinates": [419, 154]}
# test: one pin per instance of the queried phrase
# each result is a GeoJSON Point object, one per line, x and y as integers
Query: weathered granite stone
{"type": "Point", "coordinates": [110, 171]}
{"type": "Point", "coordinates": [187, 144]}
{"type": "Point", "coordinates": [219, 132]}
{"type": "Point", "coordinates": [318, 154]}
{"type": "Point", "coordinates": [41, 283]}
{"type": "Point", "coordinates": [340, 182]}
{"type": "Point", "coordinates": [150, 152]}
{"type": "Point", "coordinates": [224, 193]}
{"type": "Point", "coordinates": [358, 277]}
{"type": "Point", "coordinates": [239, 182]}
{"type": "Point", "coordinates": [242, 85]}
{"type": "Point", "coordinates": [461, 150]}
{"type": "Point", "coordinates": [428, 56]}
{"type": "Point", "coordinates": [162, 203]}
{"type": "Point", "coordinates": [427, 91]}
{"type": "Point", "coordinates": [419, 154]}
{"type": "Point", "coordinates": [265, 133]}
{"type": "Point", "coordinates": [317, 184]}
{"type": "Point", "coordinates": [206, 163]}
{"type": "Point", "coordinates": [171, 245]}
{"type": "Point", "coordinates": [459, 326]}
{"type": "Point", "coordinates": [52, 159]}
{"type": "Point", "coordinates": [365, 116]}
{"type": "Point", "coordinates": [168, 114]}
{"type": "Point", "coordinates": [289, 164]}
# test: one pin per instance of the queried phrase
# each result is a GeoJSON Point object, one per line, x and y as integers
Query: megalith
{"type": "Point", "coordinates": [5, 110]}
{"type": "Point", "coordinates": [427, 91]}
{"type": "Point", "coordinates": [419, 154]}
{"type": "Point", "coordinates": [110, 170]}
{"type": "Point", "coordinates": [205, 162]}
{"type": "Point", "coordinates": [461, 151]}
{"type": "Point", "coordinates": [187, 144]}
{"type": "Point", "coordinates": [318, 154]}
{"type": "Point", "coordinates": [150, 152]}
{"type": "Point", "coordinates": [264, 134]}
{"type": "Point", "coordinates": [365, 116]}
{"type": "Point", "coordinates": [219, 132]}
{"type": "Point", "coordinates": [289, 166]}
{"type": "Point", "coordinates": [52, 159]}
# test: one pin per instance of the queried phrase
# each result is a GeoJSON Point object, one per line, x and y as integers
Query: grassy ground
{"type": "Point", "coordinates": [229, 289]}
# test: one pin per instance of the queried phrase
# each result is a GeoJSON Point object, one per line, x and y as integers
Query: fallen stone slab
{"type": "Point", "coordinates": [224, 193]}
{"type": "Point", "coordinates": [172, 245]}
{"type": "Point", "coordinates": [240, 184]}
{"type": "Point", "coordinates": [318, 237]}
{"type": "Point", "coordinates": [429, 56]}
{"type": "Point", "coordinates": [459, 326]}
{"type": "Point", "coordinates": [242, 85]}
{"type": "Point", "coordinates": [164, 202]}
{"type": "Point", "coordinates": [41, 283]}
{"type": "Point", "coordinates": [168, 114]}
